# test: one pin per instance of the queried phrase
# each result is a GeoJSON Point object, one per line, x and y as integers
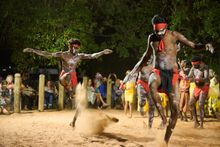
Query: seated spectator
{"type": "Point", "coordinates": [28, 95]}
{"type": "Point", "coordinates": [50, 93]}
{"type": "Point", "coordinates": [91, 95]}
{"type": "Point", "coordinates": [100, 90]}
{"type": "Point", "coordinates": [117, 95]}
{"type": "Point", "coordinates": [4, 99]}
{"type": "Point", "coordinates": [10, 88]}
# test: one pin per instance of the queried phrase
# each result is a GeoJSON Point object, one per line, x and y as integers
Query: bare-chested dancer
{"type": "Point", "coordinates": [200, 73]}
{"type": "Point", "coordinates": [164, 76]}
{"type": "Point", "coordinates": [70, 60]}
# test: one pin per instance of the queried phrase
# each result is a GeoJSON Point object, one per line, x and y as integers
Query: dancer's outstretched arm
{"type": "Point", "coordinates": [95, 55]}
{"type": "Point", "coordinates": [42, 53]}
{"type": "Point", "coordinates": [193, 45]}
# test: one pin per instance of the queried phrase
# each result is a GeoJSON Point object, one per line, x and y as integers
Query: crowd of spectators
{"type": "Point", "coordinates": [97, 94]}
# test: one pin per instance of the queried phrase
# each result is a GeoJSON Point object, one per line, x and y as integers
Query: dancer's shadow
{"type": "Point", "coordinates": [124, 138]}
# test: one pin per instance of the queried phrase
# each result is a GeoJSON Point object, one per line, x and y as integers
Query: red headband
{"type": "Point", "coordinates": [159, 26]}
{"type": "Point", "coordinates": [196, 62]}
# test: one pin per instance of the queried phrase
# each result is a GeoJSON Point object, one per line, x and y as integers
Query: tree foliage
{"type": "Point", "coordinates": [122, 25]}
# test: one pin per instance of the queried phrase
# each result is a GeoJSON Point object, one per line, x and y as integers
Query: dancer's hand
{"type": "Point", "coordinates": [107, 51]}
{"type": "Point", "coordinates": [209, 47]}
{"type": "Point", "coordinates": [26, 50]}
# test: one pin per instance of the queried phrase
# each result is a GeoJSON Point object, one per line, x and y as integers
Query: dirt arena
{"type": "Point", "coordinates": [51, 128]}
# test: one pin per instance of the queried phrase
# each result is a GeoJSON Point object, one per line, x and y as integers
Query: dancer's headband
{"type": "Point", "coordinates": [159, 26]}
{"type": "Point", "coordinates": [195, 62]}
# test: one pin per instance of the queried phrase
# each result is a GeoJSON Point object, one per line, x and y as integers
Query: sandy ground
{"type": "Point", "coordinates": [51, 128]}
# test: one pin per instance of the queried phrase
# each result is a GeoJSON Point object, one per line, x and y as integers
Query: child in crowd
{"type": "Point", "coordinates": [184, 89]}
{"type": "Point", "coordinates": [129, 91]}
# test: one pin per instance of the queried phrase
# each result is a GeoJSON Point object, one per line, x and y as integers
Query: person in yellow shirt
{"type": "Point", "coordinates": [213, 96]}
{"type": "Point", "coordinates": [129, 91]}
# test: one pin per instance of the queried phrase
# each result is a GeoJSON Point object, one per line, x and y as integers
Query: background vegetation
{"type": "Point", "coordinates": [121, 25]}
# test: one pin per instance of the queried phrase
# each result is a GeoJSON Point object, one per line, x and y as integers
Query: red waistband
{"type": "Point", "coordinates": [144, 84]}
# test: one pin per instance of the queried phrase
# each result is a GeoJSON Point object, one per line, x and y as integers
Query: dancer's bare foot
{"type": "Point", "coordinates": [72, 124]}
{"type": "Point", "coordinates": [104, 106]}
{"type": "Point", "coordinates": [162, 125]}
{"type": "Point", "coordinates": [196, 124]}
{"type": "Point", "coordinates": [201, 127]}
{"type": "Point", "coordinates": [144, 124]}
{"type": "Point", "coordinates": [130, 116]}
{"type": "Point", "coordinates": [5, 111]}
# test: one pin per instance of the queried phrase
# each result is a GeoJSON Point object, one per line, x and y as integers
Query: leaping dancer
{"type": "Point", "coordinates": [164, 76]}
{"type": "Point", "coordinates": [69, 60]}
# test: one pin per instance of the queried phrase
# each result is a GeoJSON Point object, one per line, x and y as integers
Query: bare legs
{"type": "Point", "coordinates": [100, 99]}
{"type": "Point", "coordinates": [157, 101]}
{"type": "Point", "coordinates": [173, 117]}
{"type": "Point", "coordinates": [154, 83]}
{"type": "Point", "coordinates": [128, 104]}
{"type": "Point", "coordinates": [183, 105]}
{"type": "Point", "coordinates": [143, 95]}
{"type": "Point", "coordinates": [192, 103]}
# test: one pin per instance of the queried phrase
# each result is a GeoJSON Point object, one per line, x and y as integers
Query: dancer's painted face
{"type": "Point", "coordinates": [160, 33]}
{"type": "Point", "coordinates": [160, 29]}
{"type": "Point", "coordinates": [196, 64]}
{"type": "Point", "coordinates": [74, 48]}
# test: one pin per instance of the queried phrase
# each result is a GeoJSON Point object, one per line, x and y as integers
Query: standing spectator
{"type": "Point", "coordinates": [50, 93]}
{"type": "Point", "coordinates": [184, 89]}
{"type": "Point", "coordinates": [213, 96]}
{"type": "Point", "coordinates": [129, 91]}
{"type": "Point", "coordinates": [114, 87]}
